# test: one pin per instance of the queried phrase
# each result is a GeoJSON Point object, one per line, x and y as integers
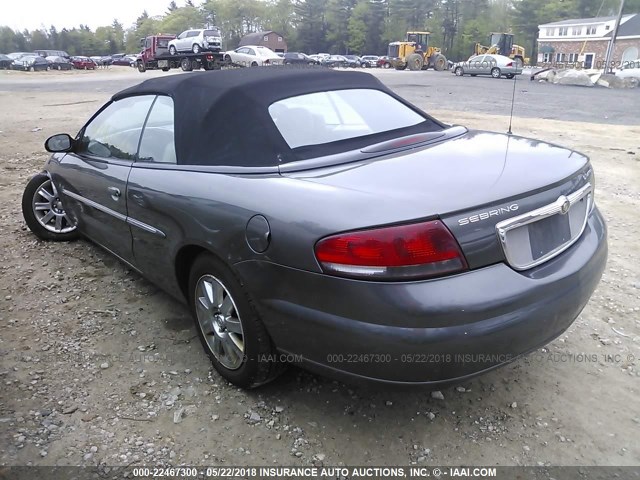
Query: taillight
{"type": "Point", "coordinates": [266, 62]}
{"type": "Point", "coordinates": [510, 64]}
{"type": "Point", "coordinates": [402, 252]}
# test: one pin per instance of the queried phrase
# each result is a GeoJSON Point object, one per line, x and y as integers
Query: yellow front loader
{"type": "Point", "coordinates": [416, 53]}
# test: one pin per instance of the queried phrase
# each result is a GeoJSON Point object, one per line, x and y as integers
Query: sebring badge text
{"type": "Point", "coordinates": [491, 213]}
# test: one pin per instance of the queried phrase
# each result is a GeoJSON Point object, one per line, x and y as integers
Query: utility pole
{"type": "Point", "coordinates": [612, 42]}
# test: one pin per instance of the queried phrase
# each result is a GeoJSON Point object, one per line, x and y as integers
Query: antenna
{"type": "Point", "coordinates": [513, 98]}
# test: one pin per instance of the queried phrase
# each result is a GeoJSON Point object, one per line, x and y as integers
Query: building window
{"type": "Point", "coordinates": [266, 38]}
{"type": "Point", "coordinates": [591, 30]}
{"type": "Point", "coordinates": [630, 54]}
{"type": "Point", "coordinates": [546, 57]}
{"type": "Point", "coordinates": [550, 32]}
{"type": "Point", "coordinates": [576, 31]}
{"type": "Point", "coordinates": [573, 58]}
{"type": "Point", "coordinates": [563, 31]}
{"type": "Point", "coordinates": [279, 39]}
{"type": "Point", "coordinates": [559, 57]}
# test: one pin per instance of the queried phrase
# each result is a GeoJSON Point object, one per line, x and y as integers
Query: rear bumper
{"type": "Point", "coordinates": [426, 333]}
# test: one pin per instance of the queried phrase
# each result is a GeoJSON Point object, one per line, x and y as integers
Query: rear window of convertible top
{"type": "Point", "coordinates": [325, 117]}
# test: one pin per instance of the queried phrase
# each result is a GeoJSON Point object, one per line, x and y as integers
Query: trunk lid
{"type": "Point", "coordinates": [472, 174]}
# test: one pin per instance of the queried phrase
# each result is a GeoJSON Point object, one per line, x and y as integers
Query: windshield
{"type": "Point", "coordinates": [339, 115]}
{"type": "Point", "coordinates": [212, 33]}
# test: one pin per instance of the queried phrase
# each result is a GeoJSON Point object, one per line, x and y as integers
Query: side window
{"type": "Point", "coordinates": [157, 143]}
{"type": "Point", "coordinates": [192, 34]}
{"type": "Point", "coordinates": [250, 51]}
{"type": "Point", "coordinates": [115, 132]}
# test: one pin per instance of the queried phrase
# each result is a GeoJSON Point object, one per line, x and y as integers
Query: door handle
{"type": "Point", "coordinates": [115, 192]}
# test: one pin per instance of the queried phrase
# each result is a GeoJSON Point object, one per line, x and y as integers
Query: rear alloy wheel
{"type": "Point", "coordinates": [459, 71]}
{"type": "Point", "coordinates": [195, 48]}
{"type": "Point", "coordinates": [509, 75]}
{"type": "Point", "coordinates": [386, 65]}
{"type": "Point", "coordinates": [172, 50]}
{"type": "Point", "coordinates": [229, 328]}
{"type": "Point", "coordinates": [254, 64]}
{"type": "Point", "coordinates": [495, 72]}
{"type": "Point", "coordinates": [43, 211]}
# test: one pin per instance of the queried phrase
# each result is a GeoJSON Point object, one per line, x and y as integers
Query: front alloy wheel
{"type": "Point", "coordinates": [43, 211]}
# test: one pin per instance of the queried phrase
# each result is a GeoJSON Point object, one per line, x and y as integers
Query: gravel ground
{"type": "Point", "coordinates": [100, 367]}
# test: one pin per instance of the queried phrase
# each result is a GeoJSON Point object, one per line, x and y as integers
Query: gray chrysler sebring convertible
{"type": "Point", "coordinates": [316, 213]}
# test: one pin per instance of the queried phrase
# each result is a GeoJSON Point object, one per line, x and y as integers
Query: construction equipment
{"type": "Point", "coordinates": [416, 53]}
{"type": "Point", "coordinates": [502, 44]}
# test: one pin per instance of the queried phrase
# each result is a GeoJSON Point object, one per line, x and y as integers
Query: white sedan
{"type": "Point", "coordinates": [253, 56]}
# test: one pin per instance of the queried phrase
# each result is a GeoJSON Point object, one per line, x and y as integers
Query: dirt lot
{"type": "Point", "coordinates": [99, 367]}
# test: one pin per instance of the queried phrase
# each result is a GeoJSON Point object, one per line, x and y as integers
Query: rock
{"type": "Point", "coordinates": [70, 410]}
{"type": "Point", "coordinates": [215, 417]}
{"type": "Point", "coordinates": [320, 457]}
{"type": "Point", "coordinates": [514, 405]}
{"type": "Point", "coordinates": [87, 456]}
{"type": "Point", "coordinates": [572, 77]}
{"type": "Point", "coordinates": [526, 448]}
{"type": "Point", "coordinates": [254, 417]}
{"type": "Point", "coordinates": [104, 365]}
{"type": "Point", "coordinates": [279, 409]}
{"type": "Point", "coordinates": [431, 415]}
{"type": "Point", "coordinates": [94, 449]}
{"type": "Point", "coordinates": [388, 403]}
{"type": "Point", "coordinates": [461, 389]}
{"type": "Point", "coordinates": [177, 415]}
{"type": "Point", "coordinates": [437, 395]}
{"type": "Point", "coordinates": [172, 454]}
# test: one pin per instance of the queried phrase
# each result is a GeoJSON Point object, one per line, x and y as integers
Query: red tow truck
{"type": "Point", "coordinates": [155, 55]}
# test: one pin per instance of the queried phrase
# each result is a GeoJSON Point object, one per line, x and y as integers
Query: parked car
{"type": "Point", "coordinates": [196, 41]}
{"type": "Point", "coordinates": [335, 61]}
{"type": "Point", "coordinates": [297, 58]}
{"type": "Point", "coordinates": [127, 60]}
{"type": "Point", "coordinates": [315, 227]}
{"type": "Point", "coordinates": [629, 69]}
{"type": "Point", "coordinates": [17, 55]}
{"type": "Point", "coordinates": [495, 65]}
{"type": "Point", "coordinates": [59, 63]}
{"type": "Point", "coordinates": [253, 56]}
{"type": "Point", "coordinates": [32, 63]}
{"type": "Point", "coordinates": [83, 63]}
{"type": "Point", "coordinates": [384, 62]}
{"type": "Point", "coordinates": [5, 61]}
{"type": "Point", "coordinates": [369, 61]}
{"type": "Point", "coordinates": [353, 60]}
{"type": "Point", "coordinates": [53, 53]}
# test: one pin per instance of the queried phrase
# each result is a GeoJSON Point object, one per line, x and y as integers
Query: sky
{"type": "Point", "coordinates": [32, 14]}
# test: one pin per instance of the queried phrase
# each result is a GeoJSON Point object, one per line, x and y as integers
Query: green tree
{"type": "Point", "coordinates": [358, 27]}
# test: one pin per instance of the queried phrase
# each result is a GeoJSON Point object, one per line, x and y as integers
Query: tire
{"type": "Point", "coordinates": [386, 65]}
{"type": "Point", "coordinates": [227, 58]}
{"type": "Point", "coordinates": [254, 64]}
{"type": "Point", "coordinates": [165, 69]}
{"type": "Point", "coordinates": [510, 76]}
{"type": "Point", "coordinates": [172, 50]}
{"type": "Point", "coordinates": [142, 67]}
{"type": "Point", "coordinates": [244, 354]}
{"type": "Point", "coordinates": [415, 62]}
{"type": "Point", "coordinates": [459, 72]}
{"type": "Point", "coordinates": [195, 48]}
{"type": "Point", "coordinates": [186, 65]}
{"type": "Point", "coordinates": [41, 206]}
{"type": "Point", "coordinates": [439, 62]}
{"type": "Point", "coordinates": [401, 67]}
{"type": "Point", "coordinates": [495, 72]}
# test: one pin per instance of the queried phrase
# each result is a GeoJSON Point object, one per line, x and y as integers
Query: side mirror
{"type": "Point", "coordinates": [141, 43]}
{"type": "Point", "coordinates": [59, 143]}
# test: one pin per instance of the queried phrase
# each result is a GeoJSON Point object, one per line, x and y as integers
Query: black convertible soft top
{"type": "Point", "coordinates": [222, 117]}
